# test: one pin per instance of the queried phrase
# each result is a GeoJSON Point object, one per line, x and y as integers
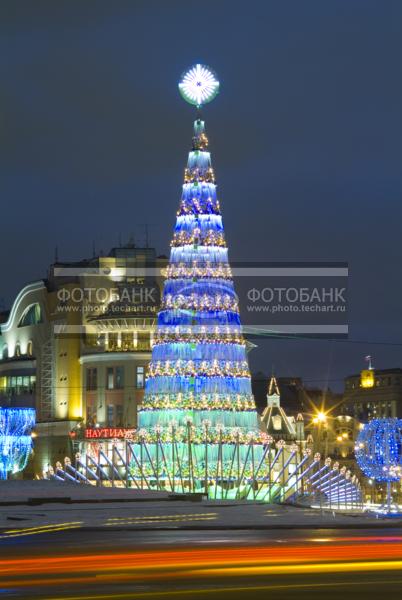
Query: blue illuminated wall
{"type": "Point", "coordinates": [15, 439]}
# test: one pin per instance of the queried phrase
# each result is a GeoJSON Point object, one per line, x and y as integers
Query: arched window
{"type": "Point", "coordinates": [32, 315]}
{"type": "Point", "coordinates": [30, 348]}
{"type": "Point", "coordinates": [5, 353]}
{"type": "Point", "coordinates": [17, 351]}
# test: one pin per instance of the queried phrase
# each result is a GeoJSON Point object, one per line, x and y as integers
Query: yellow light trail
{"type": "Point", "coordinates": [223, 590]}
{"type": "Point", "coordinates": [142, 518]}
{"type": "Point", "coordinates": [176, 573]}
{"type": "Point", "coordinates": [294, 569]}
{"type": "Point", "coordinates": [161, 521]}
{"type": "Point", "coordinates": [41, 529]}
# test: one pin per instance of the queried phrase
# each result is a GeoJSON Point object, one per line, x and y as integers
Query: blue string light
{"type": "Point", "coordinates": [15, 439]}
{"type": "Point", "coordinates": [199, 364]}
{"type": "Point", "coordinates": [378, 449]}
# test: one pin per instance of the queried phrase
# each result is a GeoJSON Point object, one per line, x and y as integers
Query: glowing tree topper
{"type": "Point", "coordinates": [199, 85]}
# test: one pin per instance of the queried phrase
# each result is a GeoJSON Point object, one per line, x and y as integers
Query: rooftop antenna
{"type": "Point", "coordinates": [370, 362]}
{"type": "Point", "coordinates": [93, 249]}
{"type": "Point", "coordinates": [146, 227]}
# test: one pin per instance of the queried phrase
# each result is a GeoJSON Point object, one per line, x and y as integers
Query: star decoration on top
{"type": "Point", "coordinates": [198, 85]}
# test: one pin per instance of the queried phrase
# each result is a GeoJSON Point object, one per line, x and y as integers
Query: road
{"type": "Point", "coordinates": [116, 564]}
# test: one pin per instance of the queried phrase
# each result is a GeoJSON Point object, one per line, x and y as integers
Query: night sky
{"type": "Point", "coordinates": [306, 137]}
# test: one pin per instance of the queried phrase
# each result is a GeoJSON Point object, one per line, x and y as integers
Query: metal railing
{"type": "Point", "coordinates": [273, 472]}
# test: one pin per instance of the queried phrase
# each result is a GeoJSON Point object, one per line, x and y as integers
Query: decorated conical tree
{"type": "Point", "coordinates": [198, 382]}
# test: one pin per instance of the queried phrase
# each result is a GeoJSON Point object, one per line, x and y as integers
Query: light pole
{"type": "Point", "coordinates": [320, 421]}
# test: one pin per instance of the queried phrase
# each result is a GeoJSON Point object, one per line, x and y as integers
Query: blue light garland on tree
{"type": "Point", "coordinates": [15, 439]}
{"type": "Point", "coordinates": [199, 370]}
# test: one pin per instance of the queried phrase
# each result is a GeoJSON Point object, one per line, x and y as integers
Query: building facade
{"type": "Point", "coordinates": [75, 346]}
{"type": "Point", "coordinates": [373, 394]}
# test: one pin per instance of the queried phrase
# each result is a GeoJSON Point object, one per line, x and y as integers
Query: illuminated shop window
{"type": "Point", "coordinates": [19, 384]}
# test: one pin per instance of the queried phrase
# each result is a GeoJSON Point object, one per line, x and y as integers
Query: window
{"type": "Point", "coordinates": [112, 341]}
{"type": "Point", "coordinates": [119, 378]}
{"type": "Point", "coordinates": [115, 378]}
{"type": "Point", "coordinates": [110, 415]}
{"type": "Point", "coordinates": [5, 353]}
{"type": "Point", "coordinates": [20, 384]}
{"type": "Point", "coordinates": [30, 348]}
{"type": "Point", "coordinates": [140, 377]}
{"type": "Point", "coordinates": [91, 414]}
{"type": "Point", "coordinates": [17, 350]}
{"type": "Point", "coordinates": [92, 379]}
{"type": "Point", "coordinates": [31, 316]}
{"type": "Point", "coordinates": [109, 379]}
{"type": "Point", "coordinates": [119, 415]}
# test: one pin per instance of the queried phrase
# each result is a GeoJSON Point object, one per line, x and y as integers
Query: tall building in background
{"type": "Point", "coordinates": [373, 394]}
{"type": "Point", "coordinates": [75, 346]}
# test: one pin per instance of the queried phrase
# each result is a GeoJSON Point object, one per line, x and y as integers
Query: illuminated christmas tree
{"type": "Point", "coordinates": [198, 383]}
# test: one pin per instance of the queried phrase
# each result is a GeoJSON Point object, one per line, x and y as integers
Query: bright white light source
{"type": "Point", "coordinates": [199, 85]}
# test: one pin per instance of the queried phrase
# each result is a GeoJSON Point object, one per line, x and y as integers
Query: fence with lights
{"type": "Point", "coordinates": [268, 472]}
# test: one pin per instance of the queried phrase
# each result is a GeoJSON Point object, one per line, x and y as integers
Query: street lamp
{"type": "Point", "coordinates": [321, 417]}
{"type": "Point", "coordinates": [320, 420]}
